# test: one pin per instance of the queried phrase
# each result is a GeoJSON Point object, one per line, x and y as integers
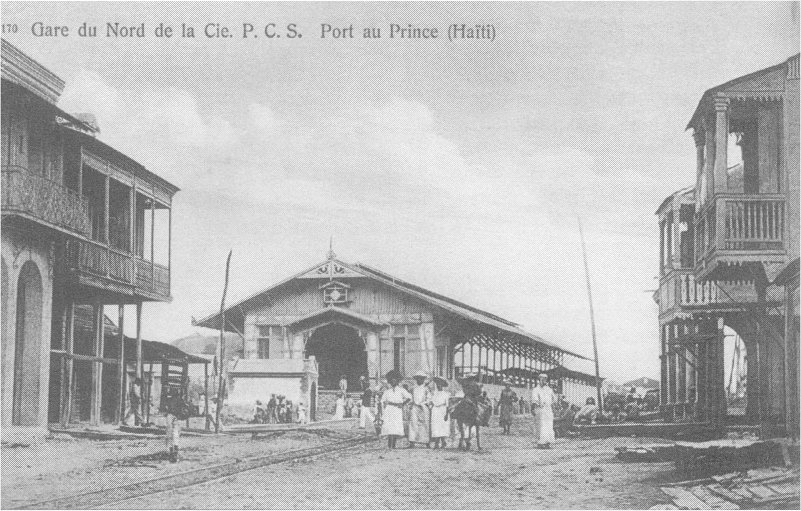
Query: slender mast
{"type": "Point", "coordinates": [592, 319]}
{"type": "Point", "coordinates": [221, 361]}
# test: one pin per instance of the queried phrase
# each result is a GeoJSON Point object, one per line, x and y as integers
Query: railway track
{"type": "Point", "coordinates": [189, 478]}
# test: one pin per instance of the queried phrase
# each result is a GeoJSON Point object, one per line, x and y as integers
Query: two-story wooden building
{"type": "Point", "coordinates": [355, 321]}
{"type": "Point", "coordinates": [724, 243]}
{"type": "Point", "coordinates": [82, 223]}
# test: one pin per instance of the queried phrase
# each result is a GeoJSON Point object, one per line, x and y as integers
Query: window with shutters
{"type": "Point", "coordinates": [268, 334]}
{"type": "Point", "coordinates": [406, 349]}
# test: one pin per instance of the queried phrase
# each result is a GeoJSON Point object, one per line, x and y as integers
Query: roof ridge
{"type": "Point", "coordinates": [435, 294]}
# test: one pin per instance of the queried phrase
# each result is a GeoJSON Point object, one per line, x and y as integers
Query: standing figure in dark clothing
{"type": "Point", "coordinates": [507, 403]}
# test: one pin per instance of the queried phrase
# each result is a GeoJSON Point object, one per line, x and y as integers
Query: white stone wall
{"type": "Point", "coordinates": [18, 249]}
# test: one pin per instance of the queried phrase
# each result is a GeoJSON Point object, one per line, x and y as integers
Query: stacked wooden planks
{"type": "Point", "coordinates": [763, 488]}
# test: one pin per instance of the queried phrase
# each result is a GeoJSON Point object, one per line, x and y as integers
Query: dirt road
{"type": "Point", "coordinates": [508, 473]}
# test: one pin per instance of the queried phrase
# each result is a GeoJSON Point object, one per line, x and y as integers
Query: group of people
{"type": "Point", "coordinates": [279, 410]}
{"type": "Point", "coordinates": [420, 415]}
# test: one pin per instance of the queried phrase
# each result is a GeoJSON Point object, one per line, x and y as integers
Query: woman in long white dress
{"type": "Point", "coordinates": [419, 416]}
{"type": "Point", "coordinates": [339, 409]}
{"type": "Point", "coordinates": [392, 402]}
{"type": "Point", "coordinates": [440, 423]}
{"type": "Point", "coordinates": [542, 399]}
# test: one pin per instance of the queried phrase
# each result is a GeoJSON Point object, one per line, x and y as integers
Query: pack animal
{"type": "Point", "coordinates": [472, 412]}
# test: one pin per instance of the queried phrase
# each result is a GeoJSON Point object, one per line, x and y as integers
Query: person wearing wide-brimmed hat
{"type": "Point", "coordinates": [542, 400]}
{"type": "Point", "coordinates": [440, 422]}
{"type": "Point", "coordinates": [420, 411]}
{"type": "Point", "coordinates": [392, 401]}
{"type": "Point", "coordinates": [507, 403]}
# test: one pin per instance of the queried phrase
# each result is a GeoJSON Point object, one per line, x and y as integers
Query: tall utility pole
{"type": "Point", "coordinates": [592, 320]}
{"type": "Point", "coordinates": [221, 361]}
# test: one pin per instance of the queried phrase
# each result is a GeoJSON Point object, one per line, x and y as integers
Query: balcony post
{"type": "Point", "coordinates": [133, 245]}
{"type": "Point", "coordinates": [139, 368]}
{"type": "Point", "coordinates": [675, 260]}
{"type": "Point", "coordinates": [153, 239]}
{"type": "Point", "coordinates": [699, 136]}
{"type": "Point", "coordinates": [708, 180]}
{"type": "Point", "coordinates": [721, 142]}
{"type": "Point", "coordinates": [106, 240]}
{"type": "Point", "coordinates": [80, 173]}
{"type": "Point", "coordinates": [169, 250]}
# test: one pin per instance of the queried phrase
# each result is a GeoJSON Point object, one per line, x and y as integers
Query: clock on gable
{"type": "Point", "coordinates": [335, 292]}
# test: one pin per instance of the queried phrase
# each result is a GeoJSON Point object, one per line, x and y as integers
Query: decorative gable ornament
{"type": "Point", "coordinates": [330, 269]}
{"type": "Point", "coordinates": [335, 293]}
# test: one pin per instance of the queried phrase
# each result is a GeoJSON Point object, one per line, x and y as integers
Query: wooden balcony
{"type": "Point", "coordinates": [98, 265]}
{"type": "Point", "coordinates": [681, 295]}
{"type": "Point", "coordinates": [734, 230]}
{"type": "Point", "coordinates": [43, 201]}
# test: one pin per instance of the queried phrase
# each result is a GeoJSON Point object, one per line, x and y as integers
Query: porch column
{"type": "Point", "coordinates": [702, 386]}
{"type": "Point", "coordinates": [106, 188]}
{"type": "Point", "coordinates": [721, 141]}
{"type": "Point", "coordinates": [66, 383]}
{"type": "Point", "coordinates": [97, 367]}
{"type": "Point", "coordinates": [699, 136]}
{"type": "Point", "coordinates": [372, 356]}
{"type": "Point", "coordinates": [675, 260]}
{"type": "Point", "coordinates": [427, 346]}
{"type": "Point", "coordinates": [139, 368]}
{"type": "Point", "coordinates": [121, 369]}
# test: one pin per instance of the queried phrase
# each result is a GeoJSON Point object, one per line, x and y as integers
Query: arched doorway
{"type": "Point", "coordinates": [7, 346]}
{"type": "Point", "coordinates": [339, 351]}
{"type": "Point", "coordinates": [27, 342]}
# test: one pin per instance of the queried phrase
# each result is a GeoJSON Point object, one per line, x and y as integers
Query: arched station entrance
{"type": "Point", "coordinates": [339, 350]}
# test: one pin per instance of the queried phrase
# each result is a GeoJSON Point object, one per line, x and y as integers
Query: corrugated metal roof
{"type": "Point", "coordinates": [449, 305]}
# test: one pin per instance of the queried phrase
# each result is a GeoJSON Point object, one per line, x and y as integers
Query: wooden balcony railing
{"type": "Point", "coordinates": [740, 223]}
{"type": "Point", "coordinates": [682, 290]}
{"type": "Point", "coordinates": [119, 267]}
{"type": "Point", "coordinates": [692, 293]}
{"type": "Point", "coordinates": [45, 200]}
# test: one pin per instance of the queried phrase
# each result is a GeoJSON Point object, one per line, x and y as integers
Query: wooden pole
{"type": "Point", "coordinates": [206, 394]}
{"type": "Point", "coordinates": [478, 368]}
{"type": "Point", "coordinates": [139, 365]}
{"type": "Point", "coordinates": [97, 367]}
{"type": "Point", "coordinates": [221, 361]}
{"type": "Point", "coordinates": [121, 372]}
{"type": "Point", "coordinates": [592, 319]}
{"type": "Point", "coordinates": [149, 391]}
{"type": "Point", "coordinates": [68, 364]}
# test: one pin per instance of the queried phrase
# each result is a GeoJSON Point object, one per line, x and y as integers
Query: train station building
{"type": "Point", "coordinates": [354, 320]}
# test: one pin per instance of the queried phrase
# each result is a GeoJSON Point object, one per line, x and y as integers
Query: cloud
{"type": "Point", "coordinates": [369, 169]}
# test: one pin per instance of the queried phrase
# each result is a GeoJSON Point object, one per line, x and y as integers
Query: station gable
{"type": "Point", "coordinates": [308, 294]}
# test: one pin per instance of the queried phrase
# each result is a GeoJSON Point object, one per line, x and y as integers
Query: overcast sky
{"type": "Point", "coordinates": [458, 166]}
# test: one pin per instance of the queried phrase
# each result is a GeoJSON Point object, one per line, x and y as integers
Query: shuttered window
{"type": "Point", "coordinates": [407, 349]}
{"type": "Point", "coordinates": [268, 334]}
